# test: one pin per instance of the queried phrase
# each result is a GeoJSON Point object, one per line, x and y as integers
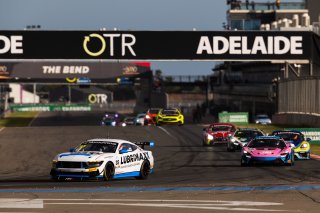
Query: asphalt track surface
{"type": "Point", "coordinates": [188, 177]}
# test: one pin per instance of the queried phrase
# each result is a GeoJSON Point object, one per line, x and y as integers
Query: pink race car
{"type": "Point", "coordinates": [269, 150]}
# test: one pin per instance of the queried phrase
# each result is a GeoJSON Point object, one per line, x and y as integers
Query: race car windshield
{"type": "Point", "coordinates": [170, 112]}
{"type": "Point", "coordinates": [98, 147]}
{"type": "Point", "coordinates": [221, 128]}
{"type": "Point", "coordinates": [289, 136]}
{"type": "Point", "coordinates": [247, 134]}
{"type": "Point", "coordinates": [266, 143]}
{"type": "Point", "coordinates": [109, 119]}
{"type": "Point", "coordinates": [262, 117]}
{"type": "Point", "coordinates": [153, 111]}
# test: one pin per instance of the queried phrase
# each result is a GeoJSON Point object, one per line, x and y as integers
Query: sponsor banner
{"type": "Point", "coordinates": [234, 117]}
{"type": "Point", "coordinates": [155, 45]}
{"type": "Point", "coordinates": [312, 133]}
{"type": "Point", "coordinates": [51, 108]}
{"type": "Point", "coordinates": [71, 72]}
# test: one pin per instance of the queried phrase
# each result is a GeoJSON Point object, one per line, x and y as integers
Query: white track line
{"type": "Point", "coordinates": [35, 117]}
{"type": "Point", "coordinates": [167, 132]}
{"type": "Point", "coordinates": [21, 203]}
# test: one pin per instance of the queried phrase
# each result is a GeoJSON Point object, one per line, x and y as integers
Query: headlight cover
{"type": "Point", "coordinates": [92, 164]}
{"type": "Point", "coordinates": [304, 145]}
{"type": "Point", "coordinates": [210, 137]}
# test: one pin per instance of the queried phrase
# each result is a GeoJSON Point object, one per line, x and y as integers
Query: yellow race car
{"type": "Point", "coordinates": [296, 138]}
{"type": "Point", "coordinates": [169, 116]}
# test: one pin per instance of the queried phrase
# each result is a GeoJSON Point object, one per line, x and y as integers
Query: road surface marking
{"type": "Point", "coordinates": [184, 204]}
{"type": "Point", "coordinates": [21, 203]}
{"type": "Point", "coordinates": [35, 117]}
{"type": "Point", "coordinates": [1, 129]}
{"type": "Point", "coordinates": [167, 132]}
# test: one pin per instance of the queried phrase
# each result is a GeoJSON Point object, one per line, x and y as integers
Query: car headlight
{"type": "Point", "coordinates": [54, 163]}
{"type": "Point", "coordinates": [257, 122]}
{"type": "Point", "coordinates": [123, 124]}
{"type": "Point", "coordinates": [304, 145]}
{"type": "Point", "coordinates": [113, 123]}
{"type": "Point", "coordinates": [210, 137]}
{"type": "Point", "coordinates": [248, 154]}
{"type": "Point", "coordinates": [92, 164]}
{"type": "Point", "coordinates": [148, 117]}
{"type": "Point", "coordinates": [233, 140]}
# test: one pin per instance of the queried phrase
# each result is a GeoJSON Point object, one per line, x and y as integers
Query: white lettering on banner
{"type": "Point", "coordinates": [237, 45]}
{"type": "Point", "coordinates": [97, 98]}
{"type": "Point", "coordinates": [12, 44]}
{"type": "Point", "coordinates": [65, 69]}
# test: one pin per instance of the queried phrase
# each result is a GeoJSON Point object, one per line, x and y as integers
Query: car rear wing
{"type": "Point", "coordinates": [147, 143]}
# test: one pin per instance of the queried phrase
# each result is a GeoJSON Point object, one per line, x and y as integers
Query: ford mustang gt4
{"type": "Point", "coordinates": [104, 158]}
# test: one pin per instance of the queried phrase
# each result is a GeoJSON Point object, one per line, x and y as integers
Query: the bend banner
{"type": "Point", "coordinates": [156, 45]}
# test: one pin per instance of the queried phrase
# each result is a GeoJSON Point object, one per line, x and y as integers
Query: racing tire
{"type": "Point", "coordinates": [243, 164]}
{"type": "Point", "coordinates": [308, 156]}
{"type": "Point", "coordinates": [204, 143]}
{"type": "Point", "coordinates": [292, 161]}
{"type": "Point", "coordinates": [229, 149]}
{"type": "Point", "coordinates": [144, 170]}
{"type": "Point", "coordinates": [108, 171]}
{"type": "Point", "coordinates": [58, 179]}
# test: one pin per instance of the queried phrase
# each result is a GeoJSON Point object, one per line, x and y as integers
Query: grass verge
{"type": "Point", "coordinates": [315, 149]}
{"type": "Point", "coordinates": [18, 119]}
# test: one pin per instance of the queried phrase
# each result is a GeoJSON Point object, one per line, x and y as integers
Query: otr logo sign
{"type": "Point", "coordinates": [12, 44]}
{"type": "Point", "coordinates": [97, 98]}
{"type": "Point", "coordinates": [107, 43]}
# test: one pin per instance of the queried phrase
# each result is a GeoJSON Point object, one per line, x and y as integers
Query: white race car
{"type": "Point", "coordinates": [104, 158]}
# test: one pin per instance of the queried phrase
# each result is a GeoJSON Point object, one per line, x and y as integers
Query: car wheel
{"type": "Point", "coordinates": [58, 178]}
{"type": "Point", "coordinates": [243, 163]}
{"type": "Point", "coordinates": [108, 171]}
{"type": "Point", "coordinates": [144, 170]}
{"type": "Point", "coordinates": [228, 148]}
{"type": "Point", "coordinates": [292, 161]}
{"type": "Point", "coordinates": [204, 143]}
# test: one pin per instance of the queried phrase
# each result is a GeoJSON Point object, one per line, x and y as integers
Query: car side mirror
{"type": "Point", "coordinates": [72, 150]}
{"type": "Point", "coordinates": [308, 139]}
{"type": "Point", "coordinates": [123, 151]}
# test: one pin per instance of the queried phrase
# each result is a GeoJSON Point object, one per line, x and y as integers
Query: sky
{"type": "Point", "coordinates": [123, 15]}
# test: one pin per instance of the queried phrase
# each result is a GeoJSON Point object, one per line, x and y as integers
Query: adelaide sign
{"type": "Point", "coordinates": [156, 45]}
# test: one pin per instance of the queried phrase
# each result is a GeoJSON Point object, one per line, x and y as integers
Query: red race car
{"type": "Point", "coordinates": [218, 133]}
{"type": "Point", "coordinates": [151, 116]}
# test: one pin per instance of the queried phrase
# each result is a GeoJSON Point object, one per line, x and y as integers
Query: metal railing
{"type": "Point", "coordinates": [185, 78]}
{"type": "Point", "coordinates": [239, 5]}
